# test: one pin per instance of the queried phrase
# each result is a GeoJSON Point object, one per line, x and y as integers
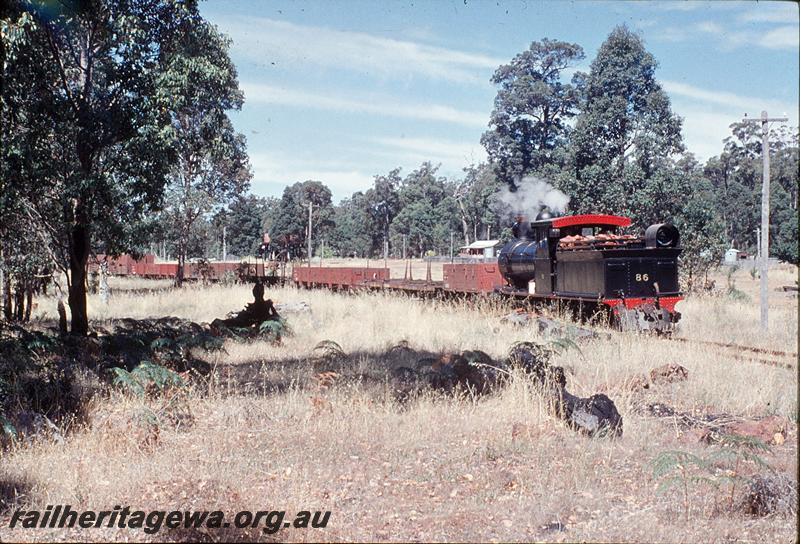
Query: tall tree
{"type": "Point", "coordinates": [93, 72]}
{"type": "Point", "coordinates": [427, 211]}
{"type": "Point", "coordinates": [383, 202]}
{"type": "Point", "coordinates": [290, 228]}
{"type": "Point", "coordinates": [736, 175]}
{"type": "Point", "coordinates": [243, 221]}
{"type": "Point", "coordinates": [625, 133]}
{"type": "Point", "coordinates": [352, 236]}
{"type": "Point", "coordinates": [528, 125]}
{"type": "Point", "coordinates": [212, 165]}
{"type": "Point", "coordinates": [476, 196]}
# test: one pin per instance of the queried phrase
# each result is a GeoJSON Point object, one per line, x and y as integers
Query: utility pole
{"type": "Point", "coordinates": [758, 245]}
{"type": "Point", "coordinates": [310, 207]}
{"type": "Point", "coordinates": [404, 246]}
{"type": "Point", "coordinates": [224, 245]}
{"type": "Point", "coordinates": [764, 261]}
{"type": "Point", "coordinates": [451, 246]}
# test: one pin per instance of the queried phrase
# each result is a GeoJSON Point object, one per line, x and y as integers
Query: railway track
{"type": "Point", "coordinates": [780, 359]}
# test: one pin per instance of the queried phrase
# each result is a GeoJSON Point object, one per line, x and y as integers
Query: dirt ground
{"type": "Point", "coordinates": [266, 432]}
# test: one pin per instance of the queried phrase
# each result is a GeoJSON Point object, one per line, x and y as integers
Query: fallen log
{"type": "Point", "coordinates": [595, 416]}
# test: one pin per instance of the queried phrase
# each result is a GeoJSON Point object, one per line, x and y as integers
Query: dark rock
{"type": "Point", "coordinates": [594, 416]}
{"type": "Point", "coordinates": [669, 373]}
{"type": "Point", "coordinates": [775, 493]}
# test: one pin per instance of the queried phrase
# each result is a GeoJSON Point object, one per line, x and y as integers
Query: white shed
{"type": "Point", "coordinates": [480, 248]}
{"type": "Point", "coordinates": [731, 256]}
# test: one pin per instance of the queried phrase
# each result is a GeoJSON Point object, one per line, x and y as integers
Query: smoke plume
{"type": "Point", "coordinates": [531, 196]}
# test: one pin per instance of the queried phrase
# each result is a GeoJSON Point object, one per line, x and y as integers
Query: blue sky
{"type": "Point", "coordinates": [342, 91]}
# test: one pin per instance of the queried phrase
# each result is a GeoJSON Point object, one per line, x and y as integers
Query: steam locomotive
{"type": "Point", "coordinates": [583, 258]}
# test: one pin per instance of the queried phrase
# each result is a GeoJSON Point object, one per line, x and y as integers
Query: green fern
{"type": "Point", "coordinates": [7, 427]}
{"type": "Point", "coordinates": [721, 466]}
{"type": "Point", "coordinates": [146, 377]}
{"type": "Point", "coordinates": [162, 343]}
{"type": "Point", "coordinates": [274, 330]}
{"type": "Point", "coordinates": [203, 341]}
{"type": "Point", "coordinates": [41, 342]}
{"type": "Point", "coordinates": [563, 344]}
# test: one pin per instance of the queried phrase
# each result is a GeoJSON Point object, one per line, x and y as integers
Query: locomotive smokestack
{"type": "Point", "coordinates": [521, 228]}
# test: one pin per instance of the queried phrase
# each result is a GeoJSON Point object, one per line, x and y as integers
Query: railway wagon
{"type": "Point", "coordinates": [146, 267]}
{"type": "Point", "coordinates": [337, 277]}
{"type": "Point", "coordinates": [472, 277]}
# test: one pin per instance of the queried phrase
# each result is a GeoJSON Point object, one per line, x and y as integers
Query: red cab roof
{"type": "Point", "coordinates": [591, 219]}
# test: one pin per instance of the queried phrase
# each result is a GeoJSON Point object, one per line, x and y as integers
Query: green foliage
{"type": "Point", "coordinates": [146, 379]}
{"type": "Point", "coordinates": [624, 136]}
{"type": "Point", "coordinates": [719, 468]}
{"type": "Point", "coordinates": [528, 125]}
{"type": "Point", "coordinates": [351, 236]}
{"type": "Point", "coordinates": [732, 292]}
{"type": "Point", "coordinates": [736, 177]}
{"type": "Point", "coordinates": [92, 102]}
{"type": "Point", "coordinates": [476, 197]}
{"type": "Point", "coordinates": [563, 344]}
{"type": "Point", "coordinates": [273, 331]}
{"type": "Point", "coordinates": [177, 353]}
{"type": "Point", "coordinates": [428, 213]}
{"type": "Point", "coordinates": [7, 428]}
{"type": "Point", "coordinates": [290, 229]}
{"type": "Point", "coordinates": [212, 166]}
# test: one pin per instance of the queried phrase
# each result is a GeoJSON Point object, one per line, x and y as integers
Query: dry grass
{"type": "Point", "coordinates": [434, 469]}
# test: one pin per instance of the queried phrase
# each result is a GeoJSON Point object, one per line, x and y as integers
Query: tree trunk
{"type": "Point", "coordinates": [104, 290]}
{"type": "Point", "coordinates": [179, 271]}
{"type": "Point", "coordinates": [28, 302]}
{"type": "Point", "coordinates": [62, 317]}
{"type": "Point", "coordinates": [19, 307]}
{"type": "Point", "coordinates": [7, 303]}
{"type": "Point", "coordinates": [464, 225]}
{"type": "Point", "coordinates": [79, 256]}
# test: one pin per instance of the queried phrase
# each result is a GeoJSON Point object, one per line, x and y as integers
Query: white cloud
{"type": "Point", "coordinates": [450, 153]}
{"type": "Point", "coordinates": [730, 37]}
{"type": "Point", "coordinates": [387, 107]}
{"type": "Point", "coordinates": [271, 171]}
{"type": "Point", "coordinates": [708, 114]}
{"type": "Point", "coordinates": [710, 27]}
{"type": "Point", "coordinates": [785, 37]}
{"type": "Point", "coordinates": [773, 12]}
{"type": "Point", "coordinates": [283, 42]}
{"type": "Point", "coordinates": [744, 104]}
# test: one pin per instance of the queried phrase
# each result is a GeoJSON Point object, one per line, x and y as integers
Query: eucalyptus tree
{"type": "Point", "coordinates": [626, 133]}
{"type": "Point", "coordinates": [528, 126]}
{"type": "Point", "coordinates": [212, 165]}
{"type": "Point", "coordinates": [95, 90]}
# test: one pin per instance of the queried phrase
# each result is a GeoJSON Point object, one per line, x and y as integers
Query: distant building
{"type": "Point", "coordinates": [480, 248]}
{"type": "Point", "coordinates": [732, 256]}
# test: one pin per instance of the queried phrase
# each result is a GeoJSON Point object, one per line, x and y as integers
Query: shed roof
{"type": "Point", "coordinates": [481, 244]}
